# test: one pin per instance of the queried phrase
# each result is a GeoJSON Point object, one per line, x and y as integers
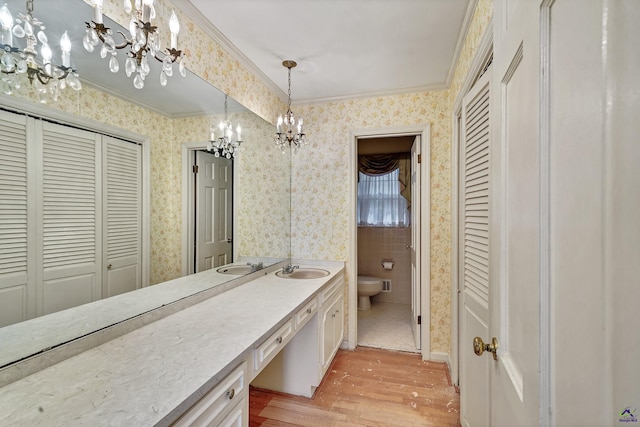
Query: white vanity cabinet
{"type": "Point", "coordinates": [332, 324]}
{"type": "Point", "coordinates": [299, 366]}
{"type": "Point", "coordinates": [227, 404]}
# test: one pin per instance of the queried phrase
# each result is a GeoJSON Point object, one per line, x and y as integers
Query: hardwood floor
{"type": "Point", "coordinates": [366, 387]}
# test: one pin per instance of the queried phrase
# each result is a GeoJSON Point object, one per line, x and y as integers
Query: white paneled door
{"type": "Point", "coordinates": [500, 230]}
{"type": "Point", "coordinates": [214, 187]}
{"type": "Point", "coordinates": [516, 215]}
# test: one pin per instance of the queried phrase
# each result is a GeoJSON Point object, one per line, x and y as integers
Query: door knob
{"type": "Point", "coordinates": [480, 347]}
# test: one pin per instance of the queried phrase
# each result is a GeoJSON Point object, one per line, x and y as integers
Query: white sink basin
{"type": "Point", "coordinates": [236, 270]}
{"type": "Point", "coordinates": [304, 273]}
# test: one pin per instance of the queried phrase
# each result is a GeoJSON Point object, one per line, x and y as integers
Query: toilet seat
{"type": "Point", "coordinates": [368, 280]}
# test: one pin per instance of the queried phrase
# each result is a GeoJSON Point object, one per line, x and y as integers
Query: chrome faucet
{"type": "Point", "coordinates": [256, 267]}
{"type": "Point", "coordinates": [289, 269]}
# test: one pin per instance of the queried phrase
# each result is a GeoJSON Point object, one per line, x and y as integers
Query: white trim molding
{"type": "Point", "coordinates": [424, 130]}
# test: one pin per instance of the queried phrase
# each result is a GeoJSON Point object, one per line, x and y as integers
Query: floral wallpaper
{"type": "Point", "coordinates": [320, 222]}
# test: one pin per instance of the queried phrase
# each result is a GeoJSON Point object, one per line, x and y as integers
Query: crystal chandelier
{"type": "Point", "coordinates": [143, 44]}
{"type": "Point", "coordinates": [225, 145]}
{"type": "Point", "coordinates": [46, 77]}
{"type": "Point", "coordinates": [285, 126]}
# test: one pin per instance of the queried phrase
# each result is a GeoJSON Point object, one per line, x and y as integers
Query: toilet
{"type": "Point", "coordinates": [367, 287]}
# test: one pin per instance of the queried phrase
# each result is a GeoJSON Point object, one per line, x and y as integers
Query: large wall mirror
{"type": "Point", "coordinates": [173, 122]}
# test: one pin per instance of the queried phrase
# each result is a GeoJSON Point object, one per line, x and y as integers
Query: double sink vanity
{"type": "Point", "coordinates": [275, 330]}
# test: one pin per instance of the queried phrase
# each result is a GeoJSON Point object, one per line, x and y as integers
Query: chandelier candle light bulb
{"type": "Point", "coordinates": [174, 27]}
{"type": "Point", "coordinates": [65, 46]}
{"type": "Point", "coordinates": [97, 11]}
{"type": "Point", "coordinates": [147, 5]}
{"type": "Point", "coordinates": [6, 20]}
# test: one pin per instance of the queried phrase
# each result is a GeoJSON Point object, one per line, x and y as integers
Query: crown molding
{"type": "Point", "coordinates": [377, 94]}
{"type": "Point", "coordinates": [462, 36]}
{"type": "Point", "coordinates": [190, 11]}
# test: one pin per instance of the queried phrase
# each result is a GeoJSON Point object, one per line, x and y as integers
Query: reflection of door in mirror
{"type": "Point", "coordinates": [213, 213]}
{"type": "Point", "coordinates": [70, 217]}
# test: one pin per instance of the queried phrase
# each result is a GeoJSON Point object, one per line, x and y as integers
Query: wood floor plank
{"type": "Point", "coordinates": [366, 387]}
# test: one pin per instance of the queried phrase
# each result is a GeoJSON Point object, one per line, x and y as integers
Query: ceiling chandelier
{"type": "Point", "coordinates": [47, 77]}
{"type": "Point", "coordinates": [285, 126]}
{"type": "Point", "coordinates": [143, 44]}
{"type": "Point", "coordinates": [225, 145]}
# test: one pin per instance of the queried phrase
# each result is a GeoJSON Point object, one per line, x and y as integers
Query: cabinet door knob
{"type": "Point", "coordinates": [279, 340]}
{"type": "Point", "coordinates": [231, 393]}
{"type": "Point", "coordinates": [309, 310]}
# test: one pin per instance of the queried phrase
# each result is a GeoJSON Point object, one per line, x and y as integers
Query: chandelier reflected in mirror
{"type": "Point", "coordinates": [288, 130]}
{"type": "Point", "coordinates": [46, 77]}
{"type": "Point", "coordinates": [225, 145]}
{"type": "Point", "coordinates": [143, 42]}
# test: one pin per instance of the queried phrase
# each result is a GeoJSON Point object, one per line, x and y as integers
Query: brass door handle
{"type": "Point", "coordinates": [480, 347]}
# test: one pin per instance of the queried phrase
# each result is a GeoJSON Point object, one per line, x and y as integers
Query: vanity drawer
{"type": "Point", "coordinates": [238, 417]}
{"type": "Point", "coordinates": [272, 345]}
{"type": "Point", "coordinates": [330, 293]}
{"type": "Point", "coordinates": [214, 405]}
{"type": "Point", "coordinates": [306, 312]}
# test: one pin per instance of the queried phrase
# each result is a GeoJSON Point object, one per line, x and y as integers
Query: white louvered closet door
{"type": "Point", "coordinates": [122, 190]}
{"type": "Point", "coordinates": [474, 251]}
{"type": "Point", "coordinates": [70, 218]}
{"type": "Point", "coordinates": [15, 292]}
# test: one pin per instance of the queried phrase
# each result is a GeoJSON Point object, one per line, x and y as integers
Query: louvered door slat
{"type": "Point", "coordinates": [475, 203]}
{"type": "Point", "coordinates": [13, 195]}
{"type": "Point", "coordinates": [122, 201]}
{"type": "Point", "coordinates": [69, 197]}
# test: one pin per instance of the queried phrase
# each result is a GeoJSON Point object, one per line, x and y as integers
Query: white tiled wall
{"type": "Point", "coordinates": [378, 243]}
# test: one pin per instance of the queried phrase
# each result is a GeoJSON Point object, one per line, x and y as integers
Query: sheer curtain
{"type": "Point", "coordinates": [379, 201]}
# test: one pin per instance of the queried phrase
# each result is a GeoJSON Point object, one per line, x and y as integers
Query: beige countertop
{"type": "Point", "coordinates": [144, 375]}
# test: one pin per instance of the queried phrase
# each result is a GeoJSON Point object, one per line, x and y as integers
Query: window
{"type": "Point", "coordinates": [380, 203]}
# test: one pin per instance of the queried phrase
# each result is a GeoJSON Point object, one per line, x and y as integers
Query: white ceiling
{"type": "Point", "coordinates": [344, 48]}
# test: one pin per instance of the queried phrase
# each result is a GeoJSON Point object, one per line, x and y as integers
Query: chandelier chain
{"type": "Point", "coordinates": [289, 93]}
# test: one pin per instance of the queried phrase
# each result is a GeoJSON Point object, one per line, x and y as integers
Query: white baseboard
{"type": "Point", "coordinates": [441, 357]}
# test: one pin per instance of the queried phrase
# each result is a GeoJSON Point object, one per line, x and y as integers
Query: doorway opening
{"type": "Point", "coordinates": [207, 209]}
{"type": "Point", "coordinates": [390, 240]}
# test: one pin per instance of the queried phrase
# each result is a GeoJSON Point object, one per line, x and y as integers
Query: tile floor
{"type": "Point", "coordinates": [387, 326]}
